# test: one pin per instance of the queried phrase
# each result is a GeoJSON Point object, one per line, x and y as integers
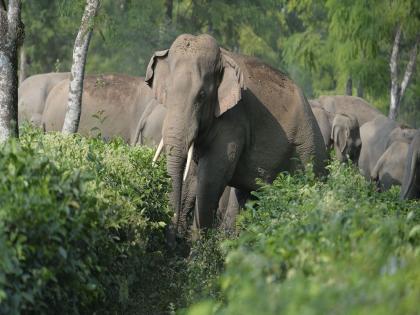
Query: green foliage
{"type": "Point", "coordinates": [81, 225]}
{"type": "Point", "coordinates": [311, 247]}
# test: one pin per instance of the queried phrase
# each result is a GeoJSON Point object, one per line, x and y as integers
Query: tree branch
{"type": "Point", "coordinates": [410, 68]}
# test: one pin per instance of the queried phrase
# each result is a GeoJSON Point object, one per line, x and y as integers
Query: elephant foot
{"type": "Point", "coordinates": [176, 243]}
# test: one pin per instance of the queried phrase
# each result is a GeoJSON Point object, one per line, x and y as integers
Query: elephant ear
{"type": "Point", "coordinates": [231, 85]}
{"type": "Point", "coordinates": [339, 135]}
{"type": "Point", "coordinates": [156, 73]}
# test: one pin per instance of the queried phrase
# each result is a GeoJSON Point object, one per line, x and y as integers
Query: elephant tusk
{"type": "Point", "coordinates": [158, 152]}
{"type": "Point", "coordinates": [189, 158]}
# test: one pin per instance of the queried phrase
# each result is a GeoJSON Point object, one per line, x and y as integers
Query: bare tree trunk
{"type": "Point", "coordinates": [360, 91]}
{"type": "Point", "coordinates": [23, 64]}
{"type": "Point", "coordinates": [169, 5]}
{"type": "Point", "coordinates": [11, 37]}
{"type": "Point", "coordinates": [398, 91]}
{"type": "Point", "coordinates": [349, 86]}
{"type": "Point", "coordinates": [393, 65]}
{"type": "Point", "coordinates": [410, 68]}
{"type": "Point", "coordinates": [81, 46]}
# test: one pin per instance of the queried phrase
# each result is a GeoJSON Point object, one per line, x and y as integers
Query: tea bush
{"type": "Point", "coordinates": [81, 226]}
{"type": "Point", "coordinates": [82, 231]}
{"type": "Point", "coordinates": [311, 247]}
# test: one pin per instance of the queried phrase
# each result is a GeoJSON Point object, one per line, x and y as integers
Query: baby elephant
{"type": "Point", "coordinates": [345, 135]}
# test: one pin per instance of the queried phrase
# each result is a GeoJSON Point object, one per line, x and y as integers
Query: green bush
{"type": "Point", "coordinates": [311, 247]}
{"type": "Point", "coordinates": [81, 225]}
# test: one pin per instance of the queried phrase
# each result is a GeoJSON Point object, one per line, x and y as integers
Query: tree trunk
{"type": "Point", "coordinates": [11, 37]}
{"type": "Point", "coordinates": [409, 69]}
{"type": "Point", "coordinates": [398, 91]}
{"type": "Point", "coordinates": [360, 91]}
{"type": "Point", "coordinates": [23, 65]}
{"type": "Point", "coordinates": [81, 46]}
{"type": "Point", "coordinates": [169, 5]}
{"type": "Point", "coordinates": [393, 65]}
{"type": "Point", "coordinates": [349, 86]}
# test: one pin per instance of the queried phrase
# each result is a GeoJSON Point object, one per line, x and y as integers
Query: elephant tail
{"type": "Point", "coordinates": [408, 189]}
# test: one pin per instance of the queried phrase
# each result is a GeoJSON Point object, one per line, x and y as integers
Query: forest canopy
{"type": "Point", "coordinates": [325, 46]}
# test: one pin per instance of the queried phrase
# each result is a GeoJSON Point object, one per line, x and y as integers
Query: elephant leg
{"type": "Point", "coordinates": [215, 170]}
{"type": "Point", "coordinates": [223, 204]}
{"type": "Point", "coordinates": [237, 199]}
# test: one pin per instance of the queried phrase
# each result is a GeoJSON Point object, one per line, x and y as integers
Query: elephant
{"type": "Point", "coordinates": [377, 136]}
{"type": "Point", "coordinates": [113, 105]}
{"type": "Point", "coordinates": [324, 121]}
{"type": "Point", "coordinates": [390, 168]}
{"type": "Point", "coordinates": [350, 105]}
{"type": "Point", "coordinates": [410, 188]}
{"type": "Point", "coordinates": [345, 135]}
{"type": "Point", "coordinates": [33, 93]}
{"type": "Point", "coordinates": [244, 120]}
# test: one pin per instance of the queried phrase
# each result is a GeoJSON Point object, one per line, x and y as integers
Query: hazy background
{"type": "Point", "coordinates": [321, 44]}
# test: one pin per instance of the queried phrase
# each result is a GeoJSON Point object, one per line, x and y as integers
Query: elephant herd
{"type": "Point", "coordinates": [224, 120]}
{"type": "Point", "coordinates": [385, 151]}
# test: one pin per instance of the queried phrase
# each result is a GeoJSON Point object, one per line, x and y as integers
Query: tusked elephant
{"type": "Point", "coordinates": [244, 119]}
{"type": "Point", "coordinates": [33, 93]}
{"type": "Point", "coordinates": [345, 135]}
{"type": "Point", "coordinates": [410, 188]}
{"type": "Point", "coordinates": [112, 105]}
{"type": "Point", "coordinates": [377, 136]}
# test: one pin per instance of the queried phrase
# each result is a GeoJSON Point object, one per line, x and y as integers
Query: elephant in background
{"type": "Point", "coordinates": [390, 168]}
{"type": "Point", "coordinates": [244, 119]}
{"type": "Point", "coordinates": [324, 120]}
{"type": "Point", "coordinates": [410, 188]}
{"type": "Point", "coordinates": [349, 105]}
{"type": "Point", "coordinates": [33, 93]}
{"type": "Point", "coordinates": [340, 131]}
{"type": "Point", "coordinates": [113, 105]}
{"type": "Point", "coordinates": [377, 135]}
{"type": "Point", "coordinates": [345, 135]}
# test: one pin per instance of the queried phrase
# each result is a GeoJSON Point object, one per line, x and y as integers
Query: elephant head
{"type": "Point", "coordinates": [411, 183]}
{"type": "Point", "coordinates": [197, 82]}
{"type": "Point", "coordinates": [346, 137]}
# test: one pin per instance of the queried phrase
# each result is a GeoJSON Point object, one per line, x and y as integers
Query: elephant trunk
{"type": "Point", "coordinates": [411, 183]}
{"type": "Point", "coordinates": [176, 159]}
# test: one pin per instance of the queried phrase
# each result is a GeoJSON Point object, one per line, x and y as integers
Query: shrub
{"type": "Point", "coordinates": [311, 247]}
{"type": "Point", "coordinates": [81, 224]}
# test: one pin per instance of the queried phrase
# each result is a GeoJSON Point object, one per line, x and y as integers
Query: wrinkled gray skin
{"type": "Point", "coordinates": [345, 136]}
{"type": "Point", "coordinates": [324, 121]}
{"type": "Point", "coordinates": [377, 136]}
{"type": "Point", "coordinates": [33, 93]}
{"type": "Point", "coordinates": [112, 105]}
{"type": "Point", "coordinates": [390, 168]}
{"type": "Point", "coordinates": [411, 182]}
{"type": "Point", "coordinates": [246, 121]}
{"type": "Point", "coordinates": [350, 105]}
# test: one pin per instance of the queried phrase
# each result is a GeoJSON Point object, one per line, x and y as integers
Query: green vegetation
{"type": "Point", "coordinates": [82, 231]}
{"type": "Point", "coordinates": [311, 247]}
{"type": "Point", "coordinates": [81, 224]}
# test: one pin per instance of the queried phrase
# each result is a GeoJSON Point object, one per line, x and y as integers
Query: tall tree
{"type": "Point", "coordinates": [397, 89]}
{"type": "Point", "coordinates": [11, 37]}
{"type": "Point", "coordinates": [81, 46]}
